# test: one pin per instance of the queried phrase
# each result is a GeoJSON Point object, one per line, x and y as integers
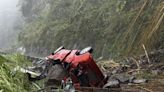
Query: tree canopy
{"type": "Point", "coordinates": [112, 27]}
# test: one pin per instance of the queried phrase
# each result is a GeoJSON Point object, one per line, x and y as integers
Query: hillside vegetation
{"type": "Point", "coordinates": [11, 77]}
{"type": "Point", "coordinates": [112, 27]}
{"type": "Point", "coordinates": [10, 80]}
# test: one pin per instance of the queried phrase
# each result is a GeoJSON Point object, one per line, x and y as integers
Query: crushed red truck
{"type": "Point", "coordinates": [77, 66]}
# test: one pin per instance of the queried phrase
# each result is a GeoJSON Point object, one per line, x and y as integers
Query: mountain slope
{"type": "Point", "coordinates": [112, 27]}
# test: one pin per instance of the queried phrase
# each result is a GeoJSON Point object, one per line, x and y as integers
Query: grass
{"type": "Point", "coordinates": [14, 81]}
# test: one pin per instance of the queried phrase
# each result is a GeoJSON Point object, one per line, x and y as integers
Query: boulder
{"type": "Point", "coordinates": [122, 78]}
{"type": "Point", "coordinates": [112, 84]}
{"type": "Point", "coordinates": [138, 81]}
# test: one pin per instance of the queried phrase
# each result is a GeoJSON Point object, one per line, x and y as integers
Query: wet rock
{"type": "Point", "coordinates": [138, 81]}
{"type": "Point", "coordinates": [112, 84]}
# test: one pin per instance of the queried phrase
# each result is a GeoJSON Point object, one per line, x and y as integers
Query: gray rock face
{"type": "Point", "coordinates": [112, 84]}
{"type": "Point", "coordinates": [55, 75]}
{"type": "Point", "coordinates": [56, 72]}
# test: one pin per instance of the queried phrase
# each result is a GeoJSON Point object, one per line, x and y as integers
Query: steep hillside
{"type": "Point", "coordinates": [10, 80]}
{"type": "Point", "coordinates": [112, 27]}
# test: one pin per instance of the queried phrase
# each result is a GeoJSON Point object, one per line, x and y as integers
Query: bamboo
{"type": "Point", "coordinates": [146, 53]}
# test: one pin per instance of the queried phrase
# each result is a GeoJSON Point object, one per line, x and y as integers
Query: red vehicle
{"type": "Point", "coordinates": [80, 66]}
{"type": "Point", "coordinates": [77, 65]}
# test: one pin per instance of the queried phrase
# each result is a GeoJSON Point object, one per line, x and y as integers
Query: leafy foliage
{"type": "Point", "coordinates": [112, 27]}
{"type": "Point", "coordinates": [14, 81]}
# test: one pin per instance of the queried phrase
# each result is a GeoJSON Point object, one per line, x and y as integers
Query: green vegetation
{"type": "Point", "coordinates": [112, 27]}
{"type": "Point", "coordinates": [14, 81]}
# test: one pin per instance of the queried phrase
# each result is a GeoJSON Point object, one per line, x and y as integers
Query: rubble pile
{"type": "Point", "coordinates": [133, 70]}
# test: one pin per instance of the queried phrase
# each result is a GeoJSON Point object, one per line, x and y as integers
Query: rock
{"type": "Point", "coordinates": [130, 83]}
{"type": "Point", "coordinates": [155, 72]}
{"type": "Point", "coordinates": [161, 68]}
{"type": "Point", "coordinates": [161, 81]}
{"type": "Point", "coordinates": [114, 71]}
{"type": "Point", "coordinates": [133, 66]}
{"type": "Point", "coordinates": [112, 84]}
{"type": "Point", "coordinates": [143, 61]}
{"type": "Point", "coordinates": [131, 79]}
{"type": "Point", "coordinates": [138, 81]}
{"type": "Point", "coordinates": [55, 74]}
{"type": "Point", "coordinates": [123, 78]}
